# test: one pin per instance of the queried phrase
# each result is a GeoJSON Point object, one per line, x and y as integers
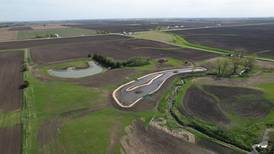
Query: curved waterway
{"type": "Point", "coordinates": [77, 73]}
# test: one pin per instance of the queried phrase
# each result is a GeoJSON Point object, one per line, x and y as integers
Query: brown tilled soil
{"type": "Point", "coordinates": [151, 140]}
{"type": "Point", "coordinates": [197, 103]}
{"type": "Point", "coordinates": [242, 101]}
{"type": "Point", "coordinates": [224, 92]}
{"type": "Point", "coordinates": [6, 35]}
{"type": "Point", "coordinates": [118, 49]}
{"type": "Point", "coordinates": [11, 78]}
{"type": "Point", "coordinates": [10, 140]}
{"type": "Point", "coordinates": [46, 42]}
{"type": "Point", "coordinates": [253, 80]}
{"type": "Point", "coordinates": [252, 39]}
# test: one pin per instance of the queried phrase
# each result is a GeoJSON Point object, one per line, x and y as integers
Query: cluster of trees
{"type": "Point", "coordinates": [46, 36]}
{"type": "Point", "coordinates": [111, 63]}
{"type": "Point", "coordinates": [102, 32]}
{"type": "Point", "coordinates": [235, 65]}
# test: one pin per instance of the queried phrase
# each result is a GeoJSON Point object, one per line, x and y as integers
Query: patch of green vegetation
{"type": "Point", "coordinates": [90, 133]}
{"type": "Point", "coordinates": [184, 43]}
{"type": "Point", "coordinates": [154, 64]}
{"type": "Point", "coordinates": [9, 119]}
{"type": "Point", "coordinates": [155, 36]}
{"type": "Point", "coordinates": [81, 63]}
{"type": "Point", "coordinates": [96, 130]}
{"type": "Point", "coordinates": [111, 63]}
{"type": "Point", "coordinates": [241, 131]}
{"type": "Point", "coordinates": [62, 32]}
{"type": "Point", "coordinates": [47, 99]}
{"type": "Point", "coordinates": [268, 89]}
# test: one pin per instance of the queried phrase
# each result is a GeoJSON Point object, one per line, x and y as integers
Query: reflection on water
{"type": "Point", "coordinates": [77, 73]}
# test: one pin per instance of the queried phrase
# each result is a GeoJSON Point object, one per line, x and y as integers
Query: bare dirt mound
{"type": "Point", "coordinates": [11, 78]}
{"type": "Point", "coordinates": [151, 140]}
{"type": "Point", "coordinates": [10, 140]}
{"type": "Point", "coordinates": [244, 102]}
{"type": "Point", "coordinates": [199, 104]}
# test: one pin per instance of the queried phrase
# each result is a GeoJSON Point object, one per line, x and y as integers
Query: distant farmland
{"type": "Point", "coordinates": [251, 39]}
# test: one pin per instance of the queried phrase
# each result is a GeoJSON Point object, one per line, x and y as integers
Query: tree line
{"type": "Point", "coordinates": [111, 63]}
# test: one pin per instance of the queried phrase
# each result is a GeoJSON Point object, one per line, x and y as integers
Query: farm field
{"type": "Point", "coordinates": [11, 96]}
{"type": "Point", "coordinates": [7, 35]}
{"type": "Point", "coordinates": [11, 76]}
{"type": "Point", "coordinates": [190, 113]}
{"type": "Point", "coordinates": [138, 25]}
{"type": "Point", "coordinates": [250, 39]}
{"type": "Point", "coordinates": [118, 49]}
{"type": "Point", "coordinates": [228, 112]}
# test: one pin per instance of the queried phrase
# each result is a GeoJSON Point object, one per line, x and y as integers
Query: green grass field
{"type": "Point", "coordinates": [63, 32]}
{"type": "Point", "coordinates": [88, 133]}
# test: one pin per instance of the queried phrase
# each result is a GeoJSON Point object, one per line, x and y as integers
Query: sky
{"type": "Point", "coordinates": [37, 10]}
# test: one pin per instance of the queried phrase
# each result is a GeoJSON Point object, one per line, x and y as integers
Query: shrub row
{"type": "Point", "coordinates": [111, 63]}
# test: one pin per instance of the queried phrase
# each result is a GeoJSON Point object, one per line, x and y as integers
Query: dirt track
{"type": "Point", "coordinates": [11, 78]}
{"type": "Point", "coordinates": [129, 94]}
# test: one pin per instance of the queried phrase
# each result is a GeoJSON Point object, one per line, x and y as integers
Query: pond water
{"type": "Point", "coordinates": [77, 73]}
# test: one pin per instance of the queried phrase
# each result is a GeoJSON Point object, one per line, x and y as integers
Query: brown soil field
{"type": "Point", "coordinates": [199, 104]}
{"type": "Point", "coordinates": [251, 81]}
{"type": "Point", "coordinates": [151, 140]}
{"type": "Point", "coordinates": [225, 92]}
{"type": "Point", "coordinates": [244, 102]}
{"type": "Point", "coordinates": [11, 78]}
{"type": "Point", "coordinates": [118, 26]}
{"type": "Point", "coordinates": [46, 42]}
{"type": "Point", "coordinates": [10, 140]}
{"type": "Point", "coordinates": [6, 35]}
{"type": "Point", "coordinates": [118, 49]}
{"type": "Point", "coordinates": [20, 28]}
{"type": "Point", "coordinates": [251, 39]}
